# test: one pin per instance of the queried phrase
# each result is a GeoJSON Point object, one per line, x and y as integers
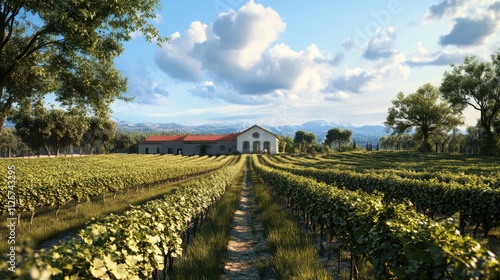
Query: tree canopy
{"type": "Point", "coordinates": [304, 139]}
{"type": "Point", "coordinates": [338, 137]}
{"type": "Point", "coordinates": [477, 84]}
{"type": "Point", "coordinates": [67, 48]}
{"type": "Point", "coordinates": [422, 111]}
{"type": "Point", "coordinates": [50, 129]}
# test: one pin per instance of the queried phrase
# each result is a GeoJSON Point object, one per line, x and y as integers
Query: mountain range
{"type": "Point", "coordinates": [361, 134]}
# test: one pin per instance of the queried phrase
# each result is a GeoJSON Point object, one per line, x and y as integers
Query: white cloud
{"type": "Point", "coordinates": [240, 56]}
{"type": "Point", "coordinates": [424, 57]}
{"type": "Point", "coordinates": [381, 45]}
{"type": "Point", "coordinates": [178, 57]}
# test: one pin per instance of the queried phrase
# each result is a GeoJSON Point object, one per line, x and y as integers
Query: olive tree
{"type": "Point", "coordinates": [423, 112]}
{"type": "Point", "coordinates": [477, 84]}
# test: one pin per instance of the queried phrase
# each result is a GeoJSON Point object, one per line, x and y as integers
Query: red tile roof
{"type": "Point", "coordinates": [198, 138]}
{"type": "Point", "coordinates": [164, 138]}
{"type": "Point", "coordinates": [208, 138]}
{"type": "Point", "coordinates": [192, 138]}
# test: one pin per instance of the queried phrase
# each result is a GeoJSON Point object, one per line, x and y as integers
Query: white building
{"type": "Point", "coordinates": [252, 140]}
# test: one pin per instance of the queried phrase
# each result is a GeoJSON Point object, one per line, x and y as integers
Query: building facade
{"type": "Point", "coordinates": [252, 140]}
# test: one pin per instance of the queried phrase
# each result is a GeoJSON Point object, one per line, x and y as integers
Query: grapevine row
{"type": "Point", "coordinates": [44, 189]}
{"type": "Point", "coordinates": [476, 204]}
{"type": "Point", "coordinates": [133, 245]}
{"type": "Point", "coordinates": [399, 242]}
{"type": "Point", "coordinates": [490, 179]}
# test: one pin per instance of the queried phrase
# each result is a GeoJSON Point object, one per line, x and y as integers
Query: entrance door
{"type": "Point", "coordinates": [256, 147]}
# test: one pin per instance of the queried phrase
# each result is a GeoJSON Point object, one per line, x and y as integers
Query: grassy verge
{"type": "Point", "coordinates": [71, 220]}
{"type": "Point", "coordinates": [205, 255]}
{"type": "Point", "coordinates": [294, 255]}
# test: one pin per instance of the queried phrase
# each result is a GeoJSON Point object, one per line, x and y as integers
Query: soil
{"type": "Point", "coordinates": [247, 246]}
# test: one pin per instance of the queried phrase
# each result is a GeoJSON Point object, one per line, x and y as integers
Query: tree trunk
{"type": "Point", "coordinates": [46, 149]}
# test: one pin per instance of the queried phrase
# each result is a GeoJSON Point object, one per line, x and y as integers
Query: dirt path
{"type": "Point", "coordinates": [247, 244]}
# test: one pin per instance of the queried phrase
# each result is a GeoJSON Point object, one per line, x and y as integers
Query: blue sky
{"type": "Point", "coordinates": [280, 62]}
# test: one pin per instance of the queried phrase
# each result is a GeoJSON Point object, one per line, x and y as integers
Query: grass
{"type": "Point", "coordinates": [71, 219]}
{"type": "Point", "coordinates": [205, 255]}
{"type": "Point", "coordinates": [294, 254]}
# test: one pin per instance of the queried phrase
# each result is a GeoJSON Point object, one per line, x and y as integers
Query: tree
{"type": "Point", "coordinates": [51, 129]}
{"type": "Point", "coordinates": [423, 112]}
{"type": "Point", "coordinates": [304, 139]}
{"type": "Point", "coordinates": [127, 142]}
{"type": "Point", "coordinates": [67, 128]}
{"type": "Point", "coordinates": [338, 137]}
{"type": "Point", "coordinates": [9, 141]}
{"type": "Point", "coordinates": [476, 84]}
{"type": "Point", "coordinates": [33, 126]}
{"type": "Point", "coordinates": [68, 48]}
{"type": "Point", "coordinates": [285, 144]}
{"type": "Point", "coordinates": [100, 131]}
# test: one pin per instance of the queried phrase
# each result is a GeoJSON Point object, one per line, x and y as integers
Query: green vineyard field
{"type": "Point", "coordinates": [409, 215]}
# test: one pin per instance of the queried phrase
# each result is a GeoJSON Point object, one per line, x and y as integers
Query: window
{"type": "Point", "coordinates": [170, 151]}
{"type": "Point", "coordinates": [222, 148]}
{"type": "Point", "coordinates": [256, 135]}
{"type": "Point", "coordinates": [158, 150]}
{"type": "Point", "coordinates": [147, 151]}
{"type": "Point", "coordinates": [246, 147]}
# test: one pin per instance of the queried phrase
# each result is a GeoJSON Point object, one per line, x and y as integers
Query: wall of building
{"type": "Point", "coordinates": [209, 148]}
{"type": "Point", "coordinates": [256, 145]}
{"type": "Point", "coordinates": [173, 147]}
{"type": "Point", "coordinates": [150, 148]}
{"type": "Point", "coordinates": [257, 142]}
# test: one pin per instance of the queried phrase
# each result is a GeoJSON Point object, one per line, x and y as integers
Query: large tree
{"type": "Point", "coordinates": [100, 131]}
{"type": "Point", "coordinates": [51, 129]}
{"type": "Point", "coordinates": [67, 128]}
{"type": "Point", "coordinates": [338, 137]}
{"type": "Point", "coordinates": [304, 139]}
{"type": "Point", "coordinates": [67, 48]}
{"type": "Point", "coordinates": [424, 112]}
{"type": "Point", "coordinates": [476, 84]}
{"type": "Point", "coordinates": [34, 127]}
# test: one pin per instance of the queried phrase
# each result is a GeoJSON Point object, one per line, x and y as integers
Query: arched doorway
{"type": "Point", "coordinates": [256, 147]}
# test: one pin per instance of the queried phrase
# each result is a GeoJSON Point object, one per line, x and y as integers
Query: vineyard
{"type": "Point", "coordinates": [411, 216]}
{"type": "Point", "coordinates": [393, 210]}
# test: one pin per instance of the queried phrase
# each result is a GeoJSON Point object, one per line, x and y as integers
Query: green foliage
{"type": "Point", "coordinates": [58, 182]}
{"type": "Point", "coordinates": [304, 139]}
{"type": "Point", "coordinates": [294, 256]}
{"type": "Point", "coordinates": [398, 142]}
{"type": "Point", "coordinates": [68, 47]}
{"type": "Point", "coordinates": [39, 127]}
{"type": "Point", "coordinates": [398, 241]}
{"type": "Point", "coordinates": [285, 144]}
{"type": "Point", "coordinates": [10, 143]}
{"type": "Point", "coordinates": [423, 112]}
{"type": "Point", "coordinates": [338, 137]}
{"type": "Point", "coordinates": [432, 194]}
{"type": "Point", "coordinates": [101, 131]}
{"type": "Point", "coordinates": [475, 84]}
{"type": "Point", "coordinates": [133, 245]}
{"type": "Point", "coordinates": [127, 142]}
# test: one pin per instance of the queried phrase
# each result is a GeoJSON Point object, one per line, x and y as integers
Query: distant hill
{"type": "Point", "coordinates": [361, 134]}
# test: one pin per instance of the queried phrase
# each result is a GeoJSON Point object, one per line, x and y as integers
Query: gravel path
{"type": "Point", "coordinates": [247, 245]}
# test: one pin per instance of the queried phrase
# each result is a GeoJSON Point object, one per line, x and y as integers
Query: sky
{"type": "Point", "coordinates": [277, 62]}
